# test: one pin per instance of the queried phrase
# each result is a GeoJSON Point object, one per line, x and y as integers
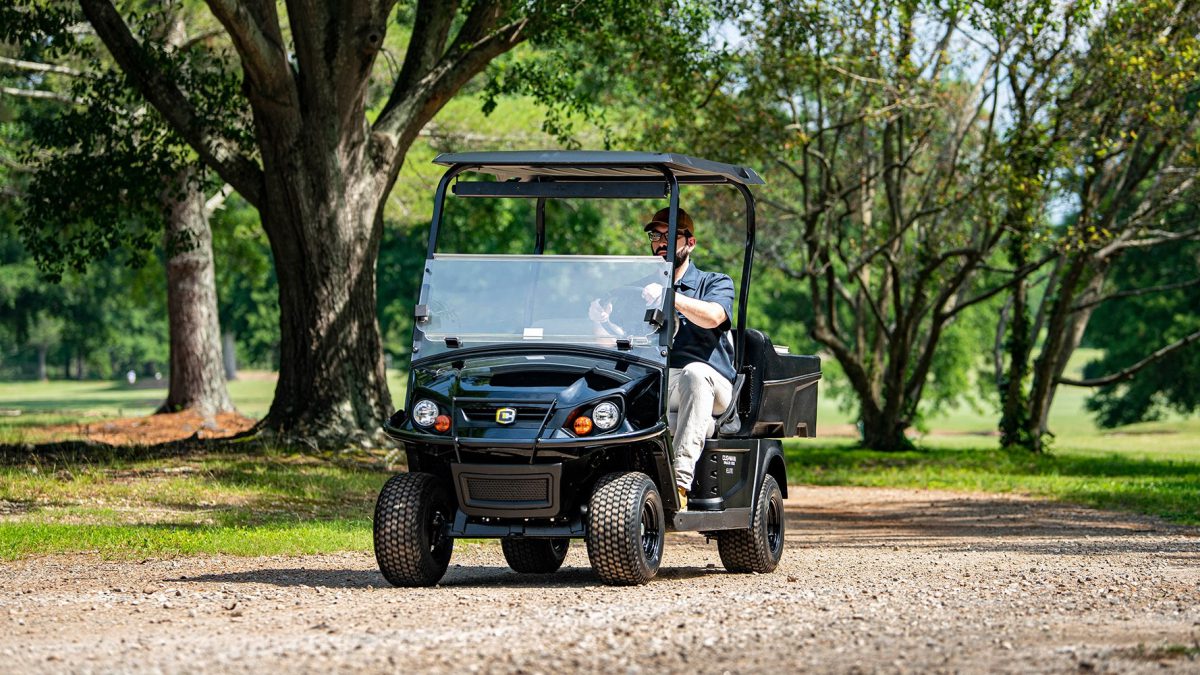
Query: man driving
{"type": "Point", "coordinates": [700, 380]}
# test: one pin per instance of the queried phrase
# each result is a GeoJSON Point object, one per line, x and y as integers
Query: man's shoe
{"type": "Point", "coordinates": [682, 498]}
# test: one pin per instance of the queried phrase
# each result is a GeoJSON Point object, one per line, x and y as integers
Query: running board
{"type": "Point", "coordinates": [708, 521]}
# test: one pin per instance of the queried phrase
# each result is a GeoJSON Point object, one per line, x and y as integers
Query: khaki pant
{"type": "Point", "coordinates": [694, 394]}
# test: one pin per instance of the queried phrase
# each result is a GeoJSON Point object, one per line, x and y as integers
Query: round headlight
{"type": "Point", "coordinates": [606, 415]}
{"type": "Point", "coordinates": [425, 412]}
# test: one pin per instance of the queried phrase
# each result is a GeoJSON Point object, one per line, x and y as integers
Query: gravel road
{"type": "Point", "coordinates": [872, 580]}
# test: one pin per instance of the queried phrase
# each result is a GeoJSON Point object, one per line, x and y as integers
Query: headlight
{"type": "Point", "coordinates": [425, 412]}
{"type": "Point", "coordinates": [606, 415]}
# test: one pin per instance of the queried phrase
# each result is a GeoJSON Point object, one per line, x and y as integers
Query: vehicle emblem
{"type": "Point", "coordinates": [506, 415]}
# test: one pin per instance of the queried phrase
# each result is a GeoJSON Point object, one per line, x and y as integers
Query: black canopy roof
{"type": "Point", "coordinates": [531, 164]}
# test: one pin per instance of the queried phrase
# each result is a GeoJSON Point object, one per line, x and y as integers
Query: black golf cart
{"type": "Point", "coordinates": [526, 423]}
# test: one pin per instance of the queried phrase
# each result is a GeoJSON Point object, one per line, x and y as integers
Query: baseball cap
{"type": "Point", "coordinates": [662, 216]}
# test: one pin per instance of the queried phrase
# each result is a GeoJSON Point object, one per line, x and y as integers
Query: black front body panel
{"type": "Point", "coordinates": [512, 416]}
{"type": "Point", "coordinates": [527, 472]}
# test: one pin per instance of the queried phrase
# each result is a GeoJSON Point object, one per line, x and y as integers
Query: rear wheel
{"type": "Point", "coordinates": [759, 548]}
{"type": "Point", "coordinates": [412, 546]}
{"type": "Point", "coordinates": [625, 528]}
{"type": "Point", "coordinates": [535, 556]}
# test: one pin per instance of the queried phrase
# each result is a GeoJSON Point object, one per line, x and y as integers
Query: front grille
{"type": "Point", "coordinates": [535, 489]}
{"type": "Point", "coordinates": [487, 413]}
{"type": "Point", "coordinates": [529, 490]}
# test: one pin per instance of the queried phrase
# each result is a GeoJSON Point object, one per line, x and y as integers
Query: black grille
{"type": "Point", "coordinates": [521, 490]}
{"type": "Point", "coordinates": [487, 413]}
{"type": "Point", "coordinates": [534, 489]}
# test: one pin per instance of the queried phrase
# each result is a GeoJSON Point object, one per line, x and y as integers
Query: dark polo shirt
{"type": "Point", "coordinates": [693, 343]}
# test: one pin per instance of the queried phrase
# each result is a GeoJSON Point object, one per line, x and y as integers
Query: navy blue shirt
{"type": "Point", "coordinates": [694, 343]}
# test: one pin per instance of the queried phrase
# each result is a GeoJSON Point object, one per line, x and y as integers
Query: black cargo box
{"type": "Point", "coordinates": [779, 396]}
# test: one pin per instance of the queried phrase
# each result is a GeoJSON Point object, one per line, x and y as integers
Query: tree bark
{"type": "Point", "coordinates": [323, 225]}
{"type": "Point", "coordinates": [197, 378]}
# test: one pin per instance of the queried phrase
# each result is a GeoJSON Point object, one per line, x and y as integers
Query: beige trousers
{"type": "Point", "coordinates": [695, 393]}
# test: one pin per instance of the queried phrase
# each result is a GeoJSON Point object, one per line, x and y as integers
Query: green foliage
{"type": "Point", "coordinates": [1129, 328]}
{"type": "Point", "coordinates": [247, 292]}
{"type": "Point", "coordinates": [104, 168]}
{"type": "Point", "coordinates": [575, 61]}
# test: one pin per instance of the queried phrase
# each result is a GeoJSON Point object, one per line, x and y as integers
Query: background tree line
{"type": "Point", "coordinates": [960, 194]}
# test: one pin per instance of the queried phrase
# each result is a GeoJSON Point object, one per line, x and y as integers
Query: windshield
{"type": "Point", "coordinates": [478, 300]}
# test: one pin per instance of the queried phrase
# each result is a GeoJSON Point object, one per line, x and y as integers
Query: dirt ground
{"type": "Point", "coordinates": [872, 581]}
{"type": "Point", "coordinates": [149, 429]}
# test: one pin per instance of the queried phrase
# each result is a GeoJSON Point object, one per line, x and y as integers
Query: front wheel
{"type": "Point", "coordinates": [535, 556]}
{"type": "Point", "coordinates": [412, 546]}
{"type": "Point", "coordinates": [760, 548]}
{"type": "Point", "coordinates": [625, 529]}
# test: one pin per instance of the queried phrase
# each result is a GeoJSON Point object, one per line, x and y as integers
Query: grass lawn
{"type": "Point", "coordinates": [268, 503]}
{"type": "Point", "coordinates": [274, 501]}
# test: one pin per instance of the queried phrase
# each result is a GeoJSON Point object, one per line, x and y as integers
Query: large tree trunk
{"type": "Point", "coordinates": [325, 236]}
{"type": "Point", "coordinates": [1065, 332]}
{"type": "Point", "coordinates": [197, 378]}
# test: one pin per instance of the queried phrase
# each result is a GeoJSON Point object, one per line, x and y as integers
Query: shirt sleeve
{"type": "Point", "coordinates": [720, 290]}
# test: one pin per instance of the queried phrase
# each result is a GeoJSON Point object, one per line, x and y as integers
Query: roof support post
{"type": "Point", "coordinates": [439, 201]}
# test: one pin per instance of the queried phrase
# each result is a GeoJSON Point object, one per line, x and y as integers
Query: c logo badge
{"type": "Point", "coordinates": [506, 415]}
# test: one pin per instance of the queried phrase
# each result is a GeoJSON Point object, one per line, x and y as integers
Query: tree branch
{"type": "Point", "coordinates": [236, 169]}
{"type": "Point", "coordinates": [431, 29]}
{"type": "Point", "coordinates": [405, 117]}
{"type": "Point", "coordinates": [39, 67]}
{"type": "Point", "coordinates": [1128, 373]}
{"type": "Point", "coordinates": [39, 94]}
{"type": "Point", "coordinates": [262, 54]}
{"type": "Point", "coordinates": [1017, 277]}
{"type": "Point", "coordinates": [1132, 293]}
{"type": "Point", "coordinates": [217, 200]}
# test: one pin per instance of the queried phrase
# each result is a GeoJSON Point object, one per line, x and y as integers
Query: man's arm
{"type": "Point", "coordinates": [700, 312]}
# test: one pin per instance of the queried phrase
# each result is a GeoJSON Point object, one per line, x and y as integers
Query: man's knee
{"type": "Point", "coordinates": [695, 380]}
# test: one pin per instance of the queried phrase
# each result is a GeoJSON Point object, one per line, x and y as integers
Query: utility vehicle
{"type": "Point", "coordinates": [526, 424]}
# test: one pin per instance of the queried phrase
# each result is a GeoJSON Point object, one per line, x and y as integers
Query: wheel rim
{"type": "Point", "coordinates": [774, 526]}
{"type": "Point", "coordinates": [437, 530]}
{"type": "Point", "coordinates": [559, 546]}
{"type": "Point", "coordinates": [650, 530]}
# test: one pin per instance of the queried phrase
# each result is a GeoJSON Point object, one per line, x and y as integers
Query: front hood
{"type": "Point", "coordinates": [543, 393]}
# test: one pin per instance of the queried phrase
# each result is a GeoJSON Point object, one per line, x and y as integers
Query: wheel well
{"type": "Point", "coordinates": [777, 471]}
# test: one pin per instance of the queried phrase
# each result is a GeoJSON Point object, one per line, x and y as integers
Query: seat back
{"type": "Point", "coordinates": [778, 397]}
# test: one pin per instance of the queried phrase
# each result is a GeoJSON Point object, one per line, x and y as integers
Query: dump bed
{"type": "Point", "coordinates": [779, 396]}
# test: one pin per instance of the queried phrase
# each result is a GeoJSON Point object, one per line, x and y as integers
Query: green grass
{"type": "Point", "coordinates": [18, 540]}
{"type": "Point", "coordinates": [274, 503]}
{"type": "Point", "coordinates": [27, 405]}
{"type": "Point", "coordinates": [1166, 485]}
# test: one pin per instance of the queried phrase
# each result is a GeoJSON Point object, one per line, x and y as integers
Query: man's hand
{"type": "Point", "coordinates": [599, 313]}
{"type": "Point", "coordinates": [652, 294]}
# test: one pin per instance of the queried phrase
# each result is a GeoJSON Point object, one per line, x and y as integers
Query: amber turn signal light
{"type": "Point", "coordinates": [442, 423]}
{"type": "Point", "coordinates": [583, 425]}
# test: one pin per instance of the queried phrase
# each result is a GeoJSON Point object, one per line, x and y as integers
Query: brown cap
{"type": "Point", "coordinates": [685, 221]}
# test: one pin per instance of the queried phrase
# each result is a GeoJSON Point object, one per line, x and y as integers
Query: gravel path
{"type": "Point", "coordinates": [872, 580]}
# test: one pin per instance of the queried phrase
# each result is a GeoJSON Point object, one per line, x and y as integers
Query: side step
{"type": "Point", "coordinates": [708, 521]}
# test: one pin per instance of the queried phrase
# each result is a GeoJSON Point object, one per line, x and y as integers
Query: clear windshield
{"type": "Point", "coordinates": [477, 300]}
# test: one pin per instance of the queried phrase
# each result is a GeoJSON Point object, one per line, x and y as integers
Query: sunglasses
{"type": "Point", "coordinates": [662, 236]}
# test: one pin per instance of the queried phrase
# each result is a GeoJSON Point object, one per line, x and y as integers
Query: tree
{"type": "Point", "coordinates": [107, 173]}
{"type": "Point", "coordinates": [1158, 291]}
{"type": "Point", "coordinates": [325, 154]}
{"type": "Point", "coordinates": [1119, 120]}
{"type": "Point", "coordinates": [876, 124]}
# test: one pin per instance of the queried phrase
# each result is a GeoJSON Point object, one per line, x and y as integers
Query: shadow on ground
{"type": "Point", "coordinates": [465, 576]}
{"type": "Point", "coordinates": [1017, 525]}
